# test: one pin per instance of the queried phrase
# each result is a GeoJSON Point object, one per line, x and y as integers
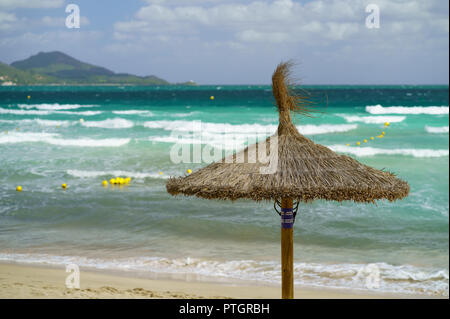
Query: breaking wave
{"type": "Point", "coordinates": [379, 109]}
{"type": "Point", "coordinates": [197, 126]}
{"type": "Point", "coordinates": [56, 139]}
{"type": "Point", "coordinates": [372, 119]}
{"type": "Point", "coordinates": [436, 130]}
{"type": "Point", "coordinates": [116, 123]}
{"type": "Point", "coordinates": [133, 112]}
{"type": "Point", "coordinates": [54, 107]}
{"type": "Point", "coordinates": [46, 112]}
{"type": "Point", "coordinates": [372, 151]}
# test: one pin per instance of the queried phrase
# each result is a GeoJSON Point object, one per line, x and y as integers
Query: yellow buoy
{"type": "Point", "coordinates": [189, 171]}
{"type": "Point", "coordinates": [19, 188]}
{"type": "Point", "coordinates": [160, 173]}
{"type": "Point", "coordinates": [347, 144]}
{"type": "Point", "coordinates": [358, 143]}
{"type": "Point", "coordinates": [127, 180]}
{"type": "Point", "coordinates": [382, 133]}
{"type": "Point", "coordinates": [372, 138]}
{"type": "Point", "coordinates": [28, 97]}
{"type": "Point", "coordinates": [64, 185]}
{"type": "Point", "coordinates": [112, 181]}
{"type": "Point", "coordinates": [105, 183]}
{"type": "Point", "coordinates": [212, 97]}
{"type": "Point", "coordinates": [380, 136]}
{"type": "Point", "coordinates": [365, 141]}
{"type": "Point", "coordinates": [386, 124]}
{"type": "Point", "coordinates": [121, 180]}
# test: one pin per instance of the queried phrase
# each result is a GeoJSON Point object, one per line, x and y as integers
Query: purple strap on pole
{"type": "Point", "coordinates": [287, 218]}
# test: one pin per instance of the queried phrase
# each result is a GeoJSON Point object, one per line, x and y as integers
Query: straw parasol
{"type": "Point", "coordinates": [288, 168]}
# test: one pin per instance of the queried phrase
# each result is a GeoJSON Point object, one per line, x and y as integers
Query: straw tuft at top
{"type": "Point", "coordinates": [286, 99]}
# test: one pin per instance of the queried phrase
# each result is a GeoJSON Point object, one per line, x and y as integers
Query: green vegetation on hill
{"type": "Point", "coordinates": [60, 68]}
{"type": "Point", "coordinates": [10, 76]}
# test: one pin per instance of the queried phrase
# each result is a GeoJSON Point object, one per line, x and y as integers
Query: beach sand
{"type": "Point", "coordinates": [23, 281]}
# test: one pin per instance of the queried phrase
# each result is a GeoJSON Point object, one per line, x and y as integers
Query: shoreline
{"type": "Point", "coordinates": [39, 281]}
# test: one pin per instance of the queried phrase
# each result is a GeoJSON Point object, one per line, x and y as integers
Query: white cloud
{"type": "Point", "coordinates": [254, 22]}
{"type": "Point", "coordinates": [255, 36]}
{"type": "Point", "coordinates": [13, 4]}
{"type": "Point", "coordinates": [51, 40]}
{"type": "Point", "coordinates": [60, 21]}
{"type": "Point", "coordinates": [178, 2]}
{"type": "Point", "coordinates": [280, 20]}
{"type": "Point", "coordinates": [340, 31]}
{"type": "Point", "coordinates": [329, 34]}
{"type": "Point", "coordinates": [7, 20]}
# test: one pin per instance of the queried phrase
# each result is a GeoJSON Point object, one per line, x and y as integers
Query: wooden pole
{"type": "Point", "coordinates": [287, 249]}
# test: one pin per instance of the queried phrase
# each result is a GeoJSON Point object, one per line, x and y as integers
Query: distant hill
{"type": "Point", "coordinates": [59, 68]}
{"type": "Point", "coordinates": [10, 76]}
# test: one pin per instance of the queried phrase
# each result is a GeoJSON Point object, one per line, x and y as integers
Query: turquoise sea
{"type": "Point", "coordinates": [84, 135]}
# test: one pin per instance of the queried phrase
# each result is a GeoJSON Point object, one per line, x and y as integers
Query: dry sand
{"type": "Point", "coordinates": [19, 281]}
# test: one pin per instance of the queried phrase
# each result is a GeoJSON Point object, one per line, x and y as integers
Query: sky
{"type": "Point", "coordinates": [240, 41]}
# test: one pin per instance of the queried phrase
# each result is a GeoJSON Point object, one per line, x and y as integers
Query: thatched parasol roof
{"type": "Point", "coordinates": [301, 169]}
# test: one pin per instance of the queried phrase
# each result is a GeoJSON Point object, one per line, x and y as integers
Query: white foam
{"type": "Point", "coordinates": [56, 139]}
{"type": "Point", "coordinates": [436, 130]}
{"type": "Point", "coordinates": [114, 173]}
{"type": "Point", "coordinates": [372, 119]}
{"type": "Point", "coordinates": [326, 128]}
{"type": "Point", "coordinates": [230, 137]}
{"type": "Point", "coordinates": [88, 142]}
{"type": "Point", "coordinates": [197, 126]}
{"type": "Point", "coordinates": [50, 122]}
{"type": "Point", "coordinates": [23, 112]}
{"type": "Point", "coordinates": [236, 141]}
{"type": "Point", "coordinates": [379, 109]}
{"type": "Point", "coordinates": [391, 278]}
{"type": "Point", "coordinates": [116, 123]}
{"type": "Point", "coordinates": [132, 112]}
{"type": "Point", "coordinates": [46, 112]}
{"type": "Point", "coordinates": [38, 122]}
{"type": "Point", "coordinates": [372, 151]}
{"type": "Point", "coordinates": [54, 106]}
{"type": "Point", "coordinates": [20, 137]}
{"type": "Point", "coordinates": [84, 113]}
{"type": "Point", "coordinates": [217, 140]}
{"type": "Point", "coordinates": [173, 139]}
{"type": "Point", "coordinates": [183, 114]}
